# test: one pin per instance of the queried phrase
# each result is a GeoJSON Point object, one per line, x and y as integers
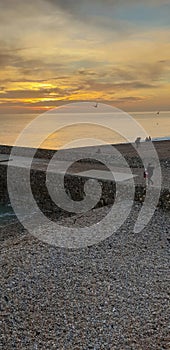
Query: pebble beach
{"type": "Point", "coordinates": [113, 295]}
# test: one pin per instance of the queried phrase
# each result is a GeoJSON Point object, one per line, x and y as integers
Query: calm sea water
{"type": "Point", "coordinates": [157, 126]}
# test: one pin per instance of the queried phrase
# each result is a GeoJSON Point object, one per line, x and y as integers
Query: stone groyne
{"type": "Point", "coordinates": [74, 186]}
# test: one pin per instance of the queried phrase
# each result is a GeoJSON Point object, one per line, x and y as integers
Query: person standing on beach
{"type": "Point", "coordinates": [145, 174]}
{"type": "Point", "coordinates": [150, 170]}
{"type": "Point", "coordinates": [137, 142]}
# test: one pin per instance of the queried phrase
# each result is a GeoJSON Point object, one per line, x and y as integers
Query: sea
{"type": "Point", "coordinates": [11, 125]}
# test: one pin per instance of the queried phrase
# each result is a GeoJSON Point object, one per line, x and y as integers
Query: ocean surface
{"type": "Point", "coordinates": [11, 125]}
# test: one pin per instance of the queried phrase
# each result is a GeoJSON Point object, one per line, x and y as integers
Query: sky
{"type": "Point", "coordinates": [58, 51]}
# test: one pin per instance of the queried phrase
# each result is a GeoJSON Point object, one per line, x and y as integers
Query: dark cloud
{"type": "Point", "coordinates": [27, 107]}
{"type": "Point", "coordinates": [145, 72]}
{"type": "Point", "coordinates": [11, 10]}
{"type": "Point", "coordinates": [59, 92]}
{"type": "Point", "coordinates": [9, 56]}
{"type": "Point", "coordinates": [22, 65]}
{"type": "Point", "coordinates": [154, 71]}
{"type": "Point", "coordinates": [27, 67]}
{"type": "Point", "coordinates": [125, 74]}
{"type": "Point", "coordinates": [5, 59]}
{"type": "Point", "coordinates": [24, 80]}
{"type": "Point", "coordinates": [85, 72]}
{"type": "Point", "coordinates": [113, 87]}
{"type": "Point", "coordinates": [39, 93]}
{"type": "Point", "coordinates": [141, 75]}
{"type": "Point", "coordinates": [79, 6]}
{"type": "Point", "coordinates": [23, 94]}
{"type": "Point", "coordinates": [128, 99]}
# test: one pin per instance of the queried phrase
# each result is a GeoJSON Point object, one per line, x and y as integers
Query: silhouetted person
{"type": "Point", "coordinates": [145, 174]}
{"type": "Point", "coordinates": [148, 139]}
{"type": "Point", "coordinates": [150, 170]}
{"type": "Point", "coordinates": [137, 142]}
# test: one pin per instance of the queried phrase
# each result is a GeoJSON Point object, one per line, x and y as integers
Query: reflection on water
{"type": "Point", "coordinates": [157, 126]}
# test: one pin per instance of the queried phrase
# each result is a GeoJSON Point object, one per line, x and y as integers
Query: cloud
{"type": "Point", "coordinates": [153, 71]}
{"type": "Point", "coordinates": [20, 7]}
{"type": "Point", "coordinates": [95, 85]}
{"type": "Point", "coordinates": [40, 93]}
{"type": "Point", "coordinates": [77, 7]}
{"type": "Point", "coordinates": [28, 94]}
{"type": "Point", "coordinates": [10, 55]}
{"type": "Point", "coordinates": [25, 67]}
{"type": "Point", "coordinates": [5, 59]}
{"type": "Point", "coordinates": [47, 50]}
{"type": "Point", "coordinates": [128, 99]}
{"type": "Point", "coordinates": [145, 71]}
{"type": "Point", "coordinates": [27, 107]}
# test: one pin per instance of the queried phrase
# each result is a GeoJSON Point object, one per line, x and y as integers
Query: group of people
{"type": "Point", "coordinates": [148, 139]}
{"type": "Point", "coordinates": [138, 140]}
{"type": "Point", "coordinates": [148, 171]}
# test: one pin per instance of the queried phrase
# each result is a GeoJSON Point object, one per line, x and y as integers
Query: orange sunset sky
{"type": "Point", "coordinates": [54, 51]}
